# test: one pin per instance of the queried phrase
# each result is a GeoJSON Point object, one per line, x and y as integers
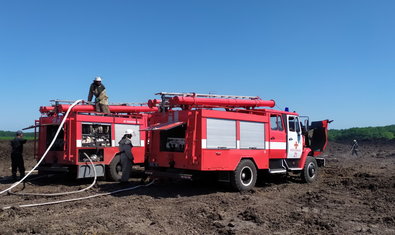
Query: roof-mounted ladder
{"type": "Point", "coordinates": [192, 94]}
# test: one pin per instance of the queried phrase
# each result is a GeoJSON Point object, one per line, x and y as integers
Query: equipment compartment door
{"type": "Point", "coordinates": [295, 139]}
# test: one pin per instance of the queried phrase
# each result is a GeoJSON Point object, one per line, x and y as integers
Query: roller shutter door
{"type": "Point", "coordinates": [221, 133]}
{"type": "Point", "coordinates": [252, 135]}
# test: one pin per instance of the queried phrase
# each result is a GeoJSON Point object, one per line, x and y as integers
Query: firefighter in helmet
{"type": "Point", "coordinates": [99, 91]}
{"type": "Point", "coordinates": [125, 148]}
{"type": "Point", "coordinates": [16, 155]}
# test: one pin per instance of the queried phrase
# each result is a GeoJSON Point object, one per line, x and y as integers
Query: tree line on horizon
{"type": "Point", "coordinates": [363, 133]}
{"type": "Point", "coordinates": [11, 134]}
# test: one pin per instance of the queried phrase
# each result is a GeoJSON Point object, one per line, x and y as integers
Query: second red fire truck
{"type": "Point", "coordinates": [231, 136]}
{"type": "Point", "coordinates": [88, 132]}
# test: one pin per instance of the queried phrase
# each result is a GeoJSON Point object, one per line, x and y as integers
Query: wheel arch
{"type": "Point", "coordinates": [306, 152]}
{"type": "Point", "coordinates": [248, 158]}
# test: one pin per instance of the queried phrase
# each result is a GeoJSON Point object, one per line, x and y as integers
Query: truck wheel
{"type": "Point", "coordinates": [114, 172]}
{"type": "Point", "coordinates": [310, 170]}
{"type": "Point", "coordinates": [245, 176]}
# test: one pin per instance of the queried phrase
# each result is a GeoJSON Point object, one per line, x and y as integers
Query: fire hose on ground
{"type": "Point", "coordinates": [78, 199]}
{"type": "Point", "coordinates": [64, 193]}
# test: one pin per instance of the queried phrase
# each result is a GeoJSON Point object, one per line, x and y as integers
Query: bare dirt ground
{"type": "Point", "coordinates": [352, 195]}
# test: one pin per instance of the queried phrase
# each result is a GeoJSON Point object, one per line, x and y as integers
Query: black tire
{"type": "Point", "coordinates": [245, 176]}
{"type": "Point", "coordinates": [114, 170]}
{"type": "Point", "coordinates": [310, 171]}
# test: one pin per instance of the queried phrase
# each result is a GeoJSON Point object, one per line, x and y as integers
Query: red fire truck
{"type": "Point", "coordinates": [88, 132]}
{"type": "Point", "coordinates": [196, 133]}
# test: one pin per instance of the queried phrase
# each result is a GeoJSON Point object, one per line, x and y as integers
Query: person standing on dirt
{"type": "Point", "coordinates": [354, 149]}
{"type": "Point", "coordinates": [17, 155]}
{"type": "Point", "coordinates": [101, 99]}
{"type": "Point", "coordinates": [125, 148]}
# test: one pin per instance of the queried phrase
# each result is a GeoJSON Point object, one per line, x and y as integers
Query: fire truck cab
{"type": "Point", "coordinates": [87, 132]}
{"type": "Point", "coordinates": [195, 133]}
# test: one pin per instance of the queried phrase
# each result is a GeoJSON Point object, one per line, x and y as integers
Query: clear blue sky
{"type": "Point", "coordinates": [326, 59]}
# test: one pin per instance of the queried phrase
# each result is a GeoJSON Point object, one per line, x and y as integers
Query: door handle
{"type": "Point", "coordinates": [272, 138]}
{"type": "Point", "coordinates": [290, 139]}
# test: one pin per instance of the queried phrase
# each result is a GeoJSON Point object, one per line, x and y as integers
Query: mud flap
{"type": "Point", "coordinates": [320, 161]}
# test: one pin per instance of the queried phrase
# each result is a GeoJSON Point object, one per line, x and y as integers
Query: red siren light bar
{"type": "Point", "coordinates": [187, 100]}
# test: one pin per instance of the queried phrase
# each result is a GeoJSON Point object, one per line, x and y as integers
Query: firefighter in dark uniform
{"type": "Point", "coordinates": [16, 155]}
{"type": "Point", "coordinates": [354, 149]}
{"type": "Point", "coordinates": [125, 148]}
{"type": "Point", "coordinates": [101, 99]}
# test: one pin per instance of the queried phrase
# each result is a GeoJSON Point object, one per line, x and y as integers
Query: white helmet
{"type": "Point", "coordinates": [97, 79]}
{"type": "Point", "coordinates": [129, 132]}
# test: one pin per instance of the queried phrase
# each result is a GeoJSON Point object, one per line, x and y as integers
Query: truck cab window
{"type": "Point", "coordinates": [276, 123]}
{"type": "Point", "coordinates": [297, 125]}
{"type": "Point", "coordinates": [291, 124]}
{"type": "Point", "coordinates": [294, 124]}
